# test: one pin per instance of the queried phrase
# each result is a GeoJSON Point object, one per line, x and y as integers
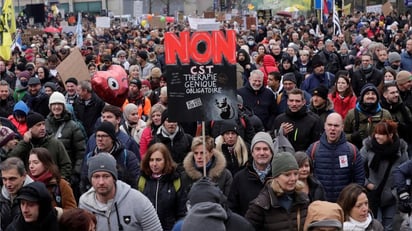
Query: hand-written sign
{"type": "Point", "coordinates": [201, 79]}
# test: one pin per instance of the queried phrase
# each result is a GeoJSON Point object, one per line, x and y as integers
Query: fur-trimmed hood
{"type": "Point", "coordinates": [215, 171]}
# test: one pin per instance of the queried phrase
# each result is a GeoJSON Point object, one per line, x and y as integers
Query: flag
{"type": "Point", "coordinates": [7, 27]}
{"type": "Point", "coordinates": [17, 42]}
{"type": "Point", "coordinates": [325, 8]}
{"type": "Point", "coordinates": [336, 21]}
{"type": "Point", "coordinates": [79, 31]}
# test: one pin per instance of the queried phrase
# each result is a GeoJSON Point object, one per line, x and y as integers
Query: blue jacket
{"type": "Point", "coordinates": [406, 61]}
{"type": "Point", "coordinates": [261, 102]}
{"type": "Point", "coordinates": [329, 169]}
{"type": "Point", "coordinates": [313, 81]}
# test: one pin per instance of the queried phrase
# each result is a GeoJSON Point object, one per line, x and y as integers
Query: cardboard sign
{"type": "Point", "coordinates": [29, 33]}
{"type": "Point", "coordinates": [209, 14]}
{"type": "Point", "coordinates": [201, 75]}
{"type": "Point", "coordinates": [387, 8]}
{"type": "Point", "coordinates": [73, 66]}
{"type": "Point", "coordinates": [157, 23]}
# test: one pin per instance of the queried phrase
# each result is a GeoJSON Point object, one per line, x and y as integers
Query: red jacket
{"type": "Point", "coordinates": [21, 127]}
{"type": "Point", "coordinates": [269, 65]}
{"type": "Point", "coordinates": [342, 106]}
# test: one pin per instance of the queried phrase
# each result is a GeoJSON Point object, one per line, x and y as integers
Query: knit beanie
{"type": "Point", "coordinates": [263, 137]}
{"type": "Point", "coordinates": [289, 77]}
{"type": "Point", "coordinates": [156, 72]}
{"type": "Point", "coordinates": [6, 134]}
{"type": "Point", "coordinates": [403, 77]}
{"type": "Point", "coordinates": [51, 85]}
{"type": "Point", "coordinates": [229, 125]}
{"type": "Point", "coordinates": [108, 128]}
{"type": "Point", "coordinates": [103, 161]}
{"type": "Point", "coordinates": [34, 118]}
{"type": "Point", "coordinates": [136, 82]}
{"type": "Point", "coordinates": [165, 115]}
{"type": "Point", "coordinates": [205, 191]}
{"type": "Point", "coordinates": [283, 162]}
{"type": "Point", "coordinates": [321, 91]}
{"type": "Point", "coordinates": [368, 87]}
{"type": "Point", "coordinates": [24, 74]}
{"type": "Point", "coordinates": [57, 97]}
{"type": "Point", "coordinates": [393, 57]}
{"type": "Point", "coordinates": [146, 83]}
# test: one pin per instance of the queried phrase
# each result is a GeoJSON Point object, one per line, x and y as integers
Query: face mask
{"type": "Point", "coordinates": [251, 43]}
{"type": "Point", "coordinates": [394, 66]}
{"type": "Point", "coordinates": [24, 84]}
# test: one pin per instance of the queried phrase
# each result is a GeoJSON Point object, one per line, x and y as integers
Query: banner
{"type": "Point", "coordinates": [7, 28]}
{"type": "Point", "coordinates": [336, 21]}
{"type": "Point", "coordinates": [201, 75]}
{"type": "Point", "coordinates": [79, 31]}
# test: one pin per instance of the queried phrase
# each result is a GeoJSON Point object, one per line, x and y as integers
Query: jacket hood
{"type": "Point", "coordinates": [324, 214]}
{"type": "Point", "coordinates": [91, 204]}
{"type": "Point", "coordinates": [215, 171]}
{"type": "Point", "coordinates": [205, 216]}
{"type": "Point", "coordinates": [268, 60]}
{"type": "Point", "coordinates": [6, 193]}
{"type": "Point", "coordinates": [21, 106]}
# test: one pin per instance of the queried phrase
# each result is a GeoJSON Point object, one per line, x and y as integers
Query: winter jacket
{"type": "Point", "coordinates": [246, 186]}
{"type": "Point", "coordinates": [127, 141]}
{"type": "Point", "coordinates": [401, 114]}
{"type": "Point", "coordinates": [135, 132]}
{"type": "Point", "coordinates": [361, 77]}
{"type": "Point", "coordinates": [266, 213]}
{"type": "Point", "coordinates": [178, 146]}
{"type": "Point", "coordinates": [282, 102]}
{"type": "Point", "coordinates": [38, 103]}
{"type": "Point", "coordinates": [146, 139]}
{"type": "Point", "coordinates": [123, 209]}
{"type": "Point", "coordinates": [366, 124]}
{"type": "Point", "coordinates": [400, 175]}
{"type": "Point", "coordinates": [313, 81]}
{"type": "Point", "coordinates": [387, 197]}
{"type": "Point", "coordinates": [55, 147]}
{"type": "Point", "coordinates": [6, 106]}
{"type": "Point", "coordinates": [330, 169]}
{"type": "Point", "coordinates": [9, 208]}
{"type": "Point", "coordinates": [70, 135]}
{"type": "Point", "coordinates": [406, 61]}
{"type": "Point", "coordinates": [316, 190]}
{"type": "Point", "coordinates": [21, 127]}
{"type": "Point", "coordinates": [169, 204]}
{"type": "Point", "coordinates": [307, 127]}
{"type": "Point", "coordinates": [127, 166]}
{"type": "Point", "coordinates": [19, 93]}
{"type": "Point", "coordinates": [261, 102]}
{"type": "Point", "coordinates": [217, 172]}
{"type": "Point", "coordinates": [342, 105]}
{"type": "Point", "coordinates": [332, 61]}
{"type": "Point", "coordinates": [88, 114]}
{"type": "Point", "coordinates": [237, 160]}
{"type": "Point", "coordinates": [268, 66]}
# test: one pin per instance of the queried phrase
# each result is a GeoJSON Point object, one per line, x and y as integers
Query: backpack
{"type": "Point", "coordinates": [352, 148]}
{"type": "Point", "coordinates": [141, 183]}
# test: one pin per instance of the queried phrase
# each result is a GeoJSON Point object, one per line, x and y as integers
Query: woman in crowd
{"type": "Point", "coordinates": [389, 76]}
{"type": "Point", "coordinates": [354, 202]}
{"type": "Point", "coordinates": [383, 152]}
{"type": "Point", "coordinates": [261, 49]}
{"type": "Point", "coordinates": [342, 94]}
{"type": "Point", "coordinates": [233, 147]}
{"type": "Point", "coordinates": [77, 219]}
{"type": "Point", "coordinates": [154, 122]}
{"type": "Point", "coordinates": [281, 205]}
{"type": "Point", "coordinates": [287, 66]}
{"type": "Point", "coordinates": [43, 169]}
{"type": "Point", "coordinates": [312, 186]}
{"type": "Point", "coordinates": [213, 160]}
{"type": "Point", "coordinates": [134, 72]}
{"type": "Point", "coordinates": [161, 183]}
{"type": "Point", "coordinates": [131, 123]}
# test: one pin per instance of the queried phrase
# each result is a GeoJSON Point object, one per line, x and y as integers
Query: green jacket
{"type": "Point", "coordinates": [71, 136]}
{"type": "Point", "coordinates": [56, 149]}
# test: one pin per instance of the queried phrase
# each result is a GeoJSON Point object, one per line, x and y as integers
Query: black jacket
{"type": "Point", "coordinates": [88, 114]}
{"type": "Point", "coordinates": [6, 106]}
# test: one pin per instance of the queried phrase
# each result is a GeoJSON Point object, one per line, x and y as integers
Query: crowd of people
{"type": "Point", "coordinates": [341, 104]}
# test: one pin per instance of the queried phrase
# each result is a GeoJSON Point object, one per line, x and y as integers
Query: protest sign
{"type": "Point", "coordinates": [201, 75]}
{"type": "Point", "coordinates": [73, 66]}
{"type": "Point", "coordinates": [103, 22]}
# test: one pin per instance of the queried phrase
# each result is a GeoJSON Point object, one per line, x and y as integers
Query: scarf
{"type": "Point", "coordinates": [354, 225]}
{"type": "Point", "coordinates": [387, 151]}
{"type": "Point", "coordinates": [369, 109]}
{"type": "Point", "coordinates": [45, 177]}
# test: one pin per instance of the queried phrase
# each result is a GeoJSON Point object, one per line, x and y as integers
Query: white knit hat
{"type": "Point", "coordinates": [57, 97]}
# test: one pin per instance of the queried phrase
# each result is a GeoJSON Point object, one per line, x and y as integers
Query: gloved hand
{"type": "Point", "coordinates": [404, 202]}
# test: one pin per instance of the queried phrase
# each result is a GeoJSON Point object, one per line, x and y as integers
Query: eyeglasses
{"type": "Point", "coordinates": [122, 56]}
{"type": "Point", "coordinates": [102, 136]}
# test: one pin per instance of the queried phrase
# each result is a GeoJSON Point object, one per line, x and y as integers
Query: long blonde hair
{"type": "Point", "coordinates": [240, 149]}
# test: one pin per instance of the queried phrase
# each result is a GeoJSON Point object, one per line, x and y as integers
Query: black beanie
{"type": "Point", "coordinates": [34, 118]}
{"type": "Point", "coordinates": [366, 88]}
{"type": "Point", "coordinates": [164, 116]}
{"type": "Point", "coordinates": [108, 128]}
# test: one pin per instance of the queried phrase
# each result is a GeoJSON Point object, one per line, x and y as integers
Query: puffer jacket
{"type": "Point", "coordinates": [342, 106]}
{"type": "Point", "coordinates": [265, 212]}
{"type": "Point", "coordinates": [6, 106]}
{"type": "Point", "coordinates": [269, 65]}
{"type": "Point", "coordinates": [327, 167]}
{"type": "Point", "coordinates": [169, 204]}
{"type": "Point", "coordinates": [70, 135]}
{"type": "Point", "coordinates": [217, 172]}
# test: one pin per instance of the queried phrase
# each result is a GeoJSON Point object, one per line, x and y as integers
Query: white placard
{"type": "Point", "coordinates": [103, 22]}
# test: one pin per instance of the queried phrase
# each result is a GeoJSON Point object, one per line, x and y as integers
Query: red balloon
{"type": "Point", "coordinates": [170, 19]}
{"type": "Point", "coordinates": [111, 85]}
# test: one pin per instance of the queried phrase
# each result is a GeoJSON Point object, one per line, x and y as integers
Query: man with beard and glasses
{"type": "Point", "coordinates": [259, 98]}
{"type": "Point", "coordinates": [367, 73]}
{"type": "Point", "coordinates": [361, 120]}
